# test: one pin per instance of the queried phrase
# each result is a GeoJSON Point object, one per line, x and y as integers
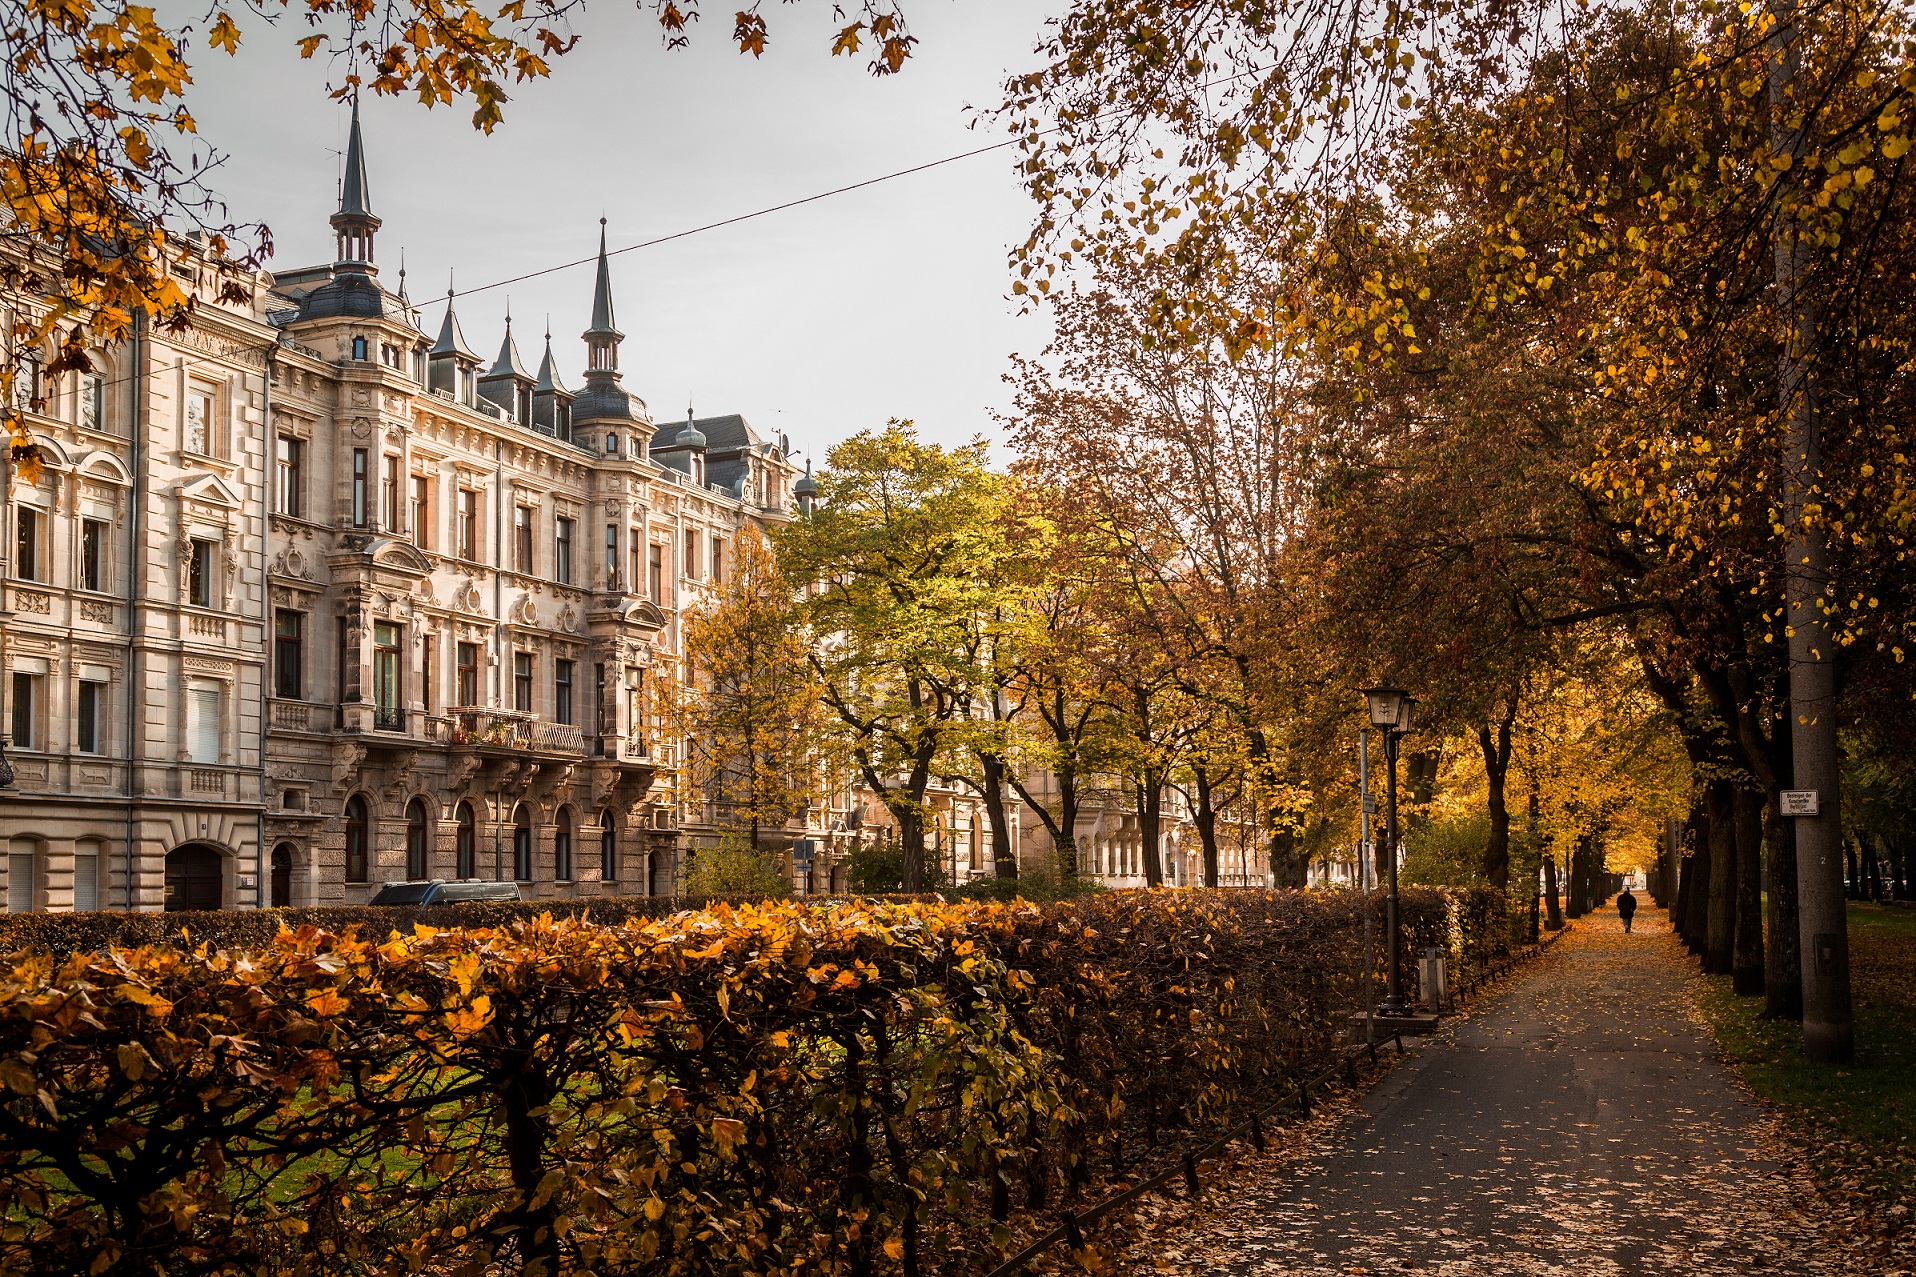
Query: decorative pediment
{"type": "Point", "coordinates": [53, 455]}
{"type": "Point", "coordinates": [211, 490]}
{"type": "Point", "coordinates": [103, 467]}
{"type": "Point", "coordinates": [403, 556]}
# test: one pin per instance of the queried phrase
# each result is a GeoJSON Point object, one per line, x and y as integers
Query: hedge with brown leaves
{"type": "Point", "coordinates": [843, 1089]}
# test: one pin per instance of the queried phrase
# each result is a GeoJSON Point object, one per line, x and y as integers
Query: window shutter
{"type": "Point", "coordinates": [20, 883]}
{"type": "Point", "coordinates": [86, 883]}
{"type": "Point", "coordinates": [203, 724]}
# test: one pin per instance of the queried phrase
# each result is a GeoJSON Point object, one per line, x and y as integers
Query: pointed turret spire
{"type": "Point", "coordinates": [548, 369]}
{"type": "Point", "coordinates": [507, 364]}
{"type": "Point", "coordinates": [451, 340]}
{"type": "Point", "coordinates": [509, 384]}
{"type": "Point", "coordinates": [355, 222]}
{"type": "Point", "coordinates": [551, 401]}
{"type": "Point", "coordinates": [602, 339]}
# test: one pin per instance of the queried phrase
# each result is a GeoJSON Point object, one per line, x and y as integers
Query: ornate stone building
{"type": "Point", "coordinates": [309, 599]}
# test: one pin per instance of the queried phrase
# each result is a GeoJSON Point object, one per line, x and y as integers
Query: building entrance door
{"type": "Point", "coordinates": [194, 878]}
{"type": "Point", "coordinates": [282, 876]}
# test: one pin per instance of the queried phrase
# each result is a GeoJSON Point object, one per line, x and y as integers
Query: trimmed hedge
{"type": "Point", "coordinates": [65, 933]}
{"type": "Point", "coordinates": [845, 1089]}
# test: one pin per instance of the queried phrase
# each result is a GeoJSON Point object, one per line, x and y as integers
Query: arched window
{"type": "Point", "coordinates": [356, 839]}
{"type": "Point", "coordinates": [608, 847]}
{"type": "Point", "coordinates": [522, 844]}
{"type": "Point", "coordinates": [562, 846]}
{"type": "Point", "coordinates": [464, 844]}
{"type": "Point", "coordinates": [416, 840]}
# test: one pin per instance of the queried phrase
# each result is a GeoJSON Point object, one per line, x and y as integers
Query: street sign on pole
{"type": "Point", "coordinates": [1801, 802]}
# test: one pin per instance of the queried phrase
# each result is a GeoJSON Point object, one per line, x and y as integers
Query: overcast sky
{"type": "Point", "coordinates": [817, 322]}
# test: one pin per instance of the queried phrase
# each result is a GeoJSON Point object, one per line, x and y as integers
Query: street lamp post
{"type": "Point", "coordinates": [1393, 712]}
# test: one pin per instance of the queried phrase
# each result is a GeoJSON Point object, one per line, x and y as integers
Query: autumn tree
{"type": "Point", "coordinates": [746, 700]}
{"type": "Point", "coordinates": [895, 564]}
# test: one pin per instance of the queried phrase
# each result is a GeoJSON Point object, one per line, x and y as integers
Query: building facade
{"type": "Point", "coordinates": [309, 598]}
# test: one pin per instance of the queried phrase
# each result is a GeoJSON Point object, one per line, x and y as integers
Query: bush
{"type": "Point", "coordinates": [735, 869]}
{"type": "Point", "coordinates": [881, 868]}
{"type": "Point", "coordinates": [845, 1088]}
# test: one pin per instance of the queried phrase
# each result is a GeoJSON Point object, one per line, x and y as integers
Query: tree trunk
{"type": "Point", "coordinates": [1682, 897]}
{"type": "Point", "coordinates": [1720, 933]}
{"type": "Point", "coordinates": [1496, 767]}
{"type": "Point", "coordinates": [1150, 807]}
{"type": "Point", "coordinates": [1828, 1018]}
{"type": "Point", "coordinates": [1552, 906]}
{"type": "Point", "coordinates": [1206, 820]}
{"type": "Point", "coordinates": [1747, 957]}
{"type": "Point", "coordinates": [911, 842]}
{"type": "Point", "coordinates": [1574, 892]}
{"type": "Point", "coordinates": [1287, 866]}
{"type": "Point", "coordinates": [1696, 912]}
{"type": "Point", "coordinates": [1004, 862]}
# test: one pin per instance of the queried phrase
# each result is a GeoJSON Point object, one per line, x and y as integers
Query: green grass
{"type": "Point", "coordinates": [1859, 1123]}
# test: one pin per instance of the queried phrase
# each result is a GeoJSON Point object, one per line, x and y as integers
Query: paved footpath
{"type": "Point", "coordinates": [1575, 1123]}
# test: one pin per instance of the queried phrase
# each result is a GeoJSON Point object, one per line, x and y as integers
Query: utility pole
{"type": "Point", "coordinates": [1828, 1021]}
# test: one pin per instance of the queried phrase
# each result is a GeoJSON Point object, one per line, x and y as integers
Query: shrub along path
{"type": "Point", "coordinates": [1576, 1123]}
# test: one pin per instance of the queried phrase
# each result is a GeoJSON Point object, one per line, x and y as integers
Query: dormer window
{"type": "Point", "coordinates": [465, 386]}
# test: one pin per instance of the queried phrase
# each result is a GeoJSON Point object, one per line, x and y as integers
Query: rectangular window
{"type": "Point", "coordinates": [199, 573]}
{"type": "Point", "coordinates": [203, 722]}
{"type": "Point", "coordinates": [288, 653]}
{"type": "Point", "coordinates": [657, 570]}
{"type": "Point", "coordinates": [388, 354]}
{"type": "Point", "coordinates": [290, 458]}
{"type": "Point", "coordinates": [92, 400]}
{"type": "Point", "coordinates": [26, 544]}
{"type": "Point", "coordinates": [359, 348]}
{"type": "Point", "coordinates": [422, 511]}
{"type": "Point", "coordinates": [347, 658]}
{"type": "Point", "coordinates": [92, 554]}
{"type": "Point", "coordinates": [691, 560]}
{"type": "Point", "coordinates": [718, 561]}
{"type": "Point", "coordinates": [199, 421]}
{"type": "Point", "coordinates": [425, 671]}
{"type": "Point", "coordinates": [637, 571]}
{"type": "Point", "coordinates": [361, 476]}
{"type": "Point", "coordinates": [562, 551]}
{"type": "Point", "coordinates": [26, 710]}
{"type": "Point", "coordinates": [611, 556]}
{"type": "Point", "coordinates": [86, 718]}
{"type": "Point", "coordinates": [634, 714]}
{"type": "Point", "coordinates": [468, 524]}
{"type": "Point", "coordinates": [419, 366]}
{"type": "Point", "coordinates": [468, 670]}
{"type": "Point", "coordinates": [601, 710]}
{"type": "Point", "coordinates": [562, 691]}
{"type": "Point", "coordinates": [522, 682]}
{"type": "Point", "coordinates": [388, 688]}
{"type": "Point", "coordinates": [522, 538]}
{"type": "Point", "coordinates": [389, 493]}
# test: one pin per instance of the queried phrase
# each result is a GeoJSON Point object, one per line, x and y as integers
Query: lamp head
{"type": "Point", "coordinates": [1390, 708]}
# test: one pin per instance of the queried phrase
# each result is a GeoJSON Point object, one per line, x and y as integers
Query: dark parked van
{"type": "Point", "coordinates": [441, 892]}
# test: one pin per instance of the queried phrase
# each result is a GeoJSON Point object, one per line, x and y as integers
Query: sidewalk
{"type": "Point", "coordinates": [1575, 1123]}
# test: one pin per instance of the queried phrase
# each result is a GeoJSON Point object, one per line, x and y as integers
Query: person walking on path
{"type": "Point", "coordinates": [1626, 909]}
